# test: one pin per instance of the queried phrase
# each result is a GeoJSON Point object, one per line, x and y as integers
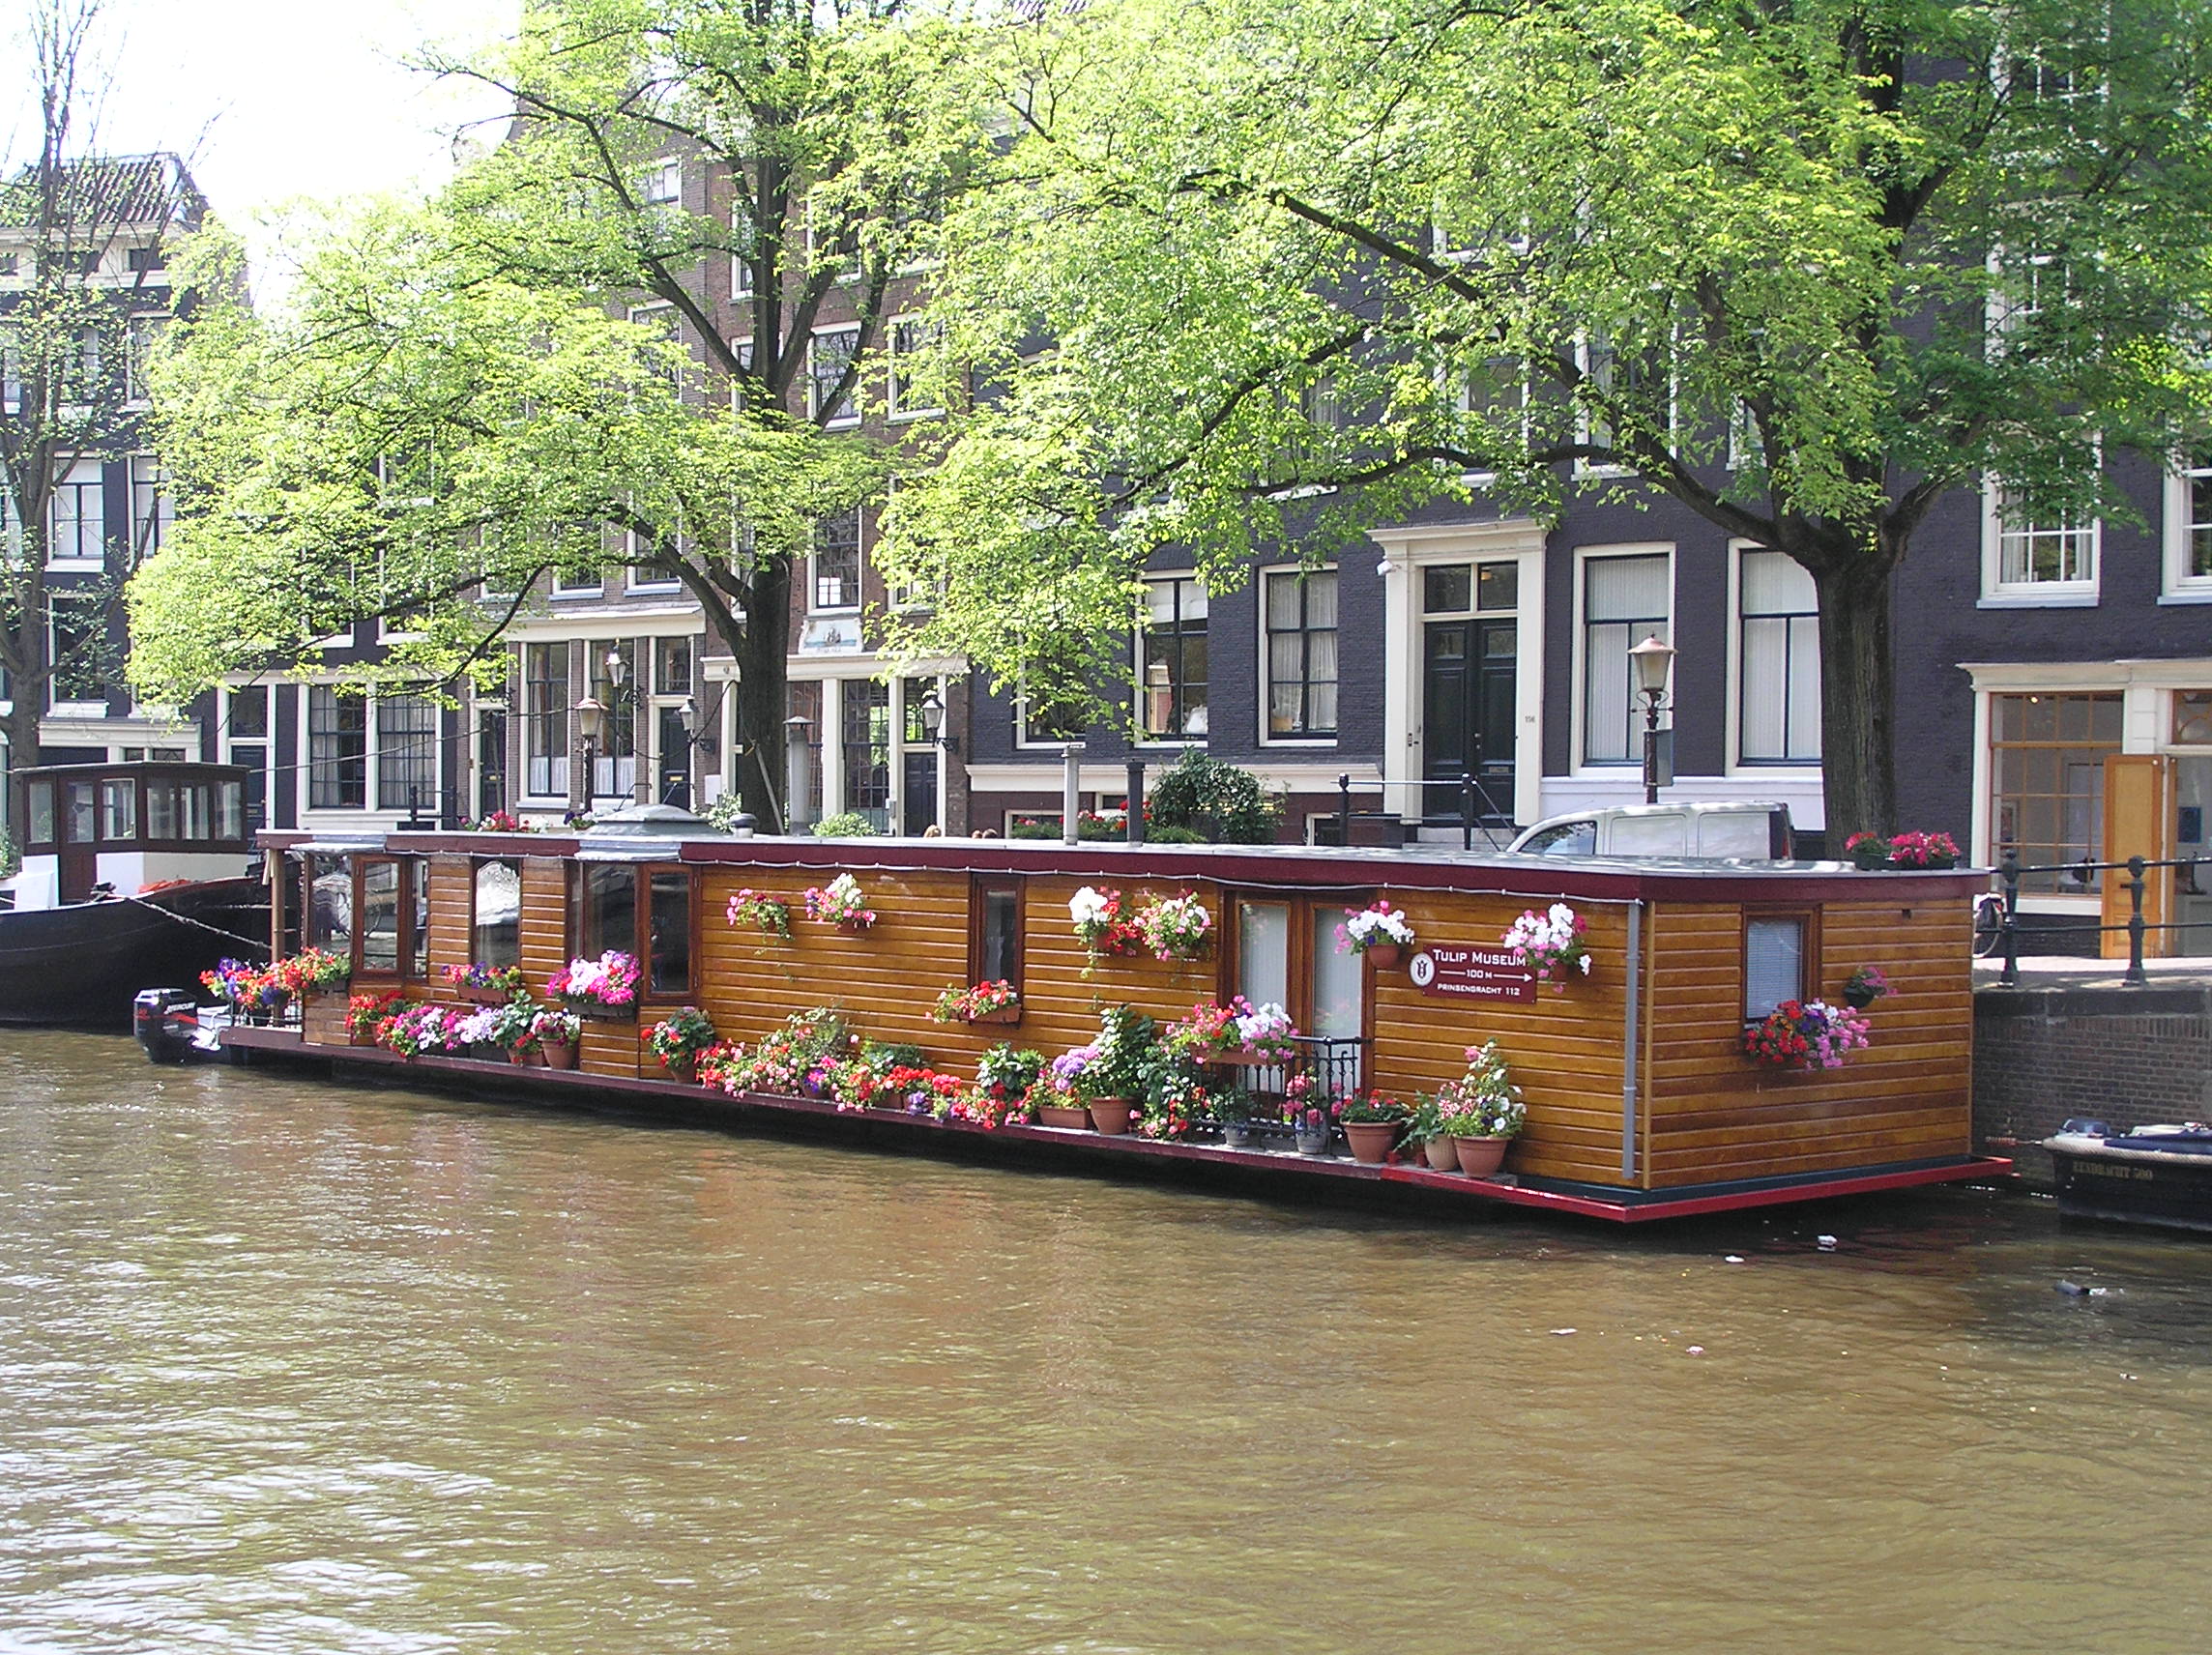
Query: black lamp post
{"type": "Point", "coordinates": [1652, 659]}
{"type": "Point", "coordinates": [932, 721]}
{"type": "Point", "coordinates": [592, 726]}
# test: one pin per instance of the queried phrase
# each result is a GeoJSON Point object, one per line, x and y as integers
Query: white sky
{"type": "Point", "coordinates": [278, 99]}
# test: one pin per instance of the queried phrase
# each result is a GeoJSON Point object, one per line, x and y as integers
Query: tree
{"type": "Point", "coordinates": [1803, 266]}
{"type": "Point", "coordinates": [73, 331]}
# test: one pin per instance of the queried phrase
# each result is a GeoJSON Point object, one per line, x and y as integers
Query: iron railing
{"type": "Point", "coordinates": [1336, 1066]}
{"type": "Point", "coordinates": [1478, 810]}
{"type": "Point", "coordinates": [2010, 870]}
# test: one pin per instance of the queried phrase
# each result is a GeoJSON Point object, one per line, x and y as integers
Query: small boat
{"type": "Point", "coordinates": [2149, 1175]}
{"type": "Point", "coordinates": [132, 873]}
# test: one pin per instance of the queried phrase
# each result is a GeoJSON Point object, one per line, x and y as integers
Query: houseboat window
{"type": "Point", "coordinates": [497, 929]}
{"type": "Point", "coordinates": [119, 808]}
{"type": "Point", "coordinates": [330, 904]}
{"type": "Point", "coordinates": [416, 874]}
{"type": "Point", "coordinates": [1337, 980]}
{"type": "Point", "coordinates": [82, 820]}
{"type": "Point", "coordinates": [161, 810]}
{"type": "Point", "coordinates": [230, 810]}
{"type": "Point", "coordinates": [609, 910]}
{"type": "Point", "coordinates": [1263, 952]}
{"type": "Point", "coordinates": [41, 813]}
{"type": "Point", "coordinates": [380, 916]}
{"type": "Point", "coordinates": [996, 952]}
{"type": "Point", "coordinates": [199, 823]}
{"type": "Point", "coordinates": [669, 945]}
{"type": "Point", "coordinates": [1773, 963]}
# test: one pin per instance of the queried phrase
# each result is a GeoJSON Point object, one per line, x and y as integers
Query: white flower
{"type": "Point", "coordinates": [1088, 907]}
{"type": "Point", "coordinates": [1562, 917]}
{"type": "Point", "coordinates": [1586, 964]}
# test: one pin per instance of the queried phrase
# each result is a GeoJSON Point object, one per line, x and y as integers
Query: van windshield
{"type": "Point", "coordinates": [1564, 839]}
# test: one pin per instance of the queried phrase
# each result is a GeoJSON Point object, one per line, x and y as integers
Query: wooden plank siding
{"type": "Point", "coordinates": [1715, 1115]}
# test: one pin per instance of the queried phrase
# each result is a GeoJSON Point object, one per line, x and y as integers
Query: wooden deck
{"type": "Point", "coordinates": [1415, 1191]}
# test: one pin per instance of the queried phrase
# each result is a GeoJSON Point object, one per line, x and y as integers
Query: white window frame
{"type": "Point", "coordinates": [740, 348]}
{"type": "Point", "coordinates": [1267, 664]}
{"type": "Point", "coordinates": [893, 411]}
{"type": "Point", "coordinates": [562, 589]}
{"type": "Point", "coordinates": [1603, 768]}
{"type": "Point", "coordinates": [155, 506]}
{"type": "Point", "coordinates": [1139, 736]}
{"type": "Point", "coordinates": [86, 473]}
{"type": "Point", "coordinates": [860, 567]}
{"type": "Point", "coordinates": [662, 182]}
{"type": "Point", "coordinates": [2000, 594]}
{"type": "Point", "coordinates": [851, 415]}
{"type": "Point", "coordinates": [59, 705]}
{"type": "Point", "coordinates": [1771, 768]}
{"type": "Point", "coordinates": [140, 333]}
{"type": "Point", "coordinates": [2179, 585]}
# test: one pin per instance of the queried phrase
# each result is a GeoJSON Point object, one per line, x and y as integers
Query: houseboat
{"type": "Point", "coordinates": [131, 873]}
{"type": "Point", "coordinates": [1633, 1037]}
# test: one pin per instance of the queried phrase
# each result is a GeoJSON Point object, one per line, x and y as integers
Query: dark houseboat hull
{"type": "Point", "coordinates": [79, 966]}
{"type": "Point", "coordinates": [2102, 1178]}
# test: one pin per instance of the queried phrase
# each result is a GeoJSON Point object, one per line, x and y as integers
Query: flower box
{"type": "Point", "coordinates": [477, 996]}
{"type": "Point", "coordinates": [1004, 1014]}
{"type": "Point", "coordinates": [598, 1011]}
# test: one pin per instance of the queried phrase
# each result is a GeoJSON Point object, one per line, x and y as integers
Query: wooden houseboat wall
{"type": "Point", "coordinates": [1635, 1076]}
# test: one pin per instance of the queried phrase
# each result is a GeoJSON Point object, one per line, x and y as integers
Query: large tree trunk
{"type": "Point", "coordinates": [762, 699]}
{"type": "Point", "coordinates": [1858, 689]}
{"type": "Point", "coordinates": [20, 725]}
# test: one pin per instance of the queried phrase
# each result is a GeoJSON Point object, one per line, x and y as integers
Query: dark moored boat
{"type": "Point", "coordinates": [132, 874]}
{"type": "Point", "coordinates": [2152, 1175]}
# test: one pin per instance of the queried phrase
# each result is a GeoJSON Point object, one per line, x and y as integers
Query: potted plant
{"type": "Point", "coordinates": [1809, 1034]}
{"type": "Point", "coordinates": [364, 1012]}
{"type": "Point", "coordinates": [311, 972]}
{"type": "Point", "coordinates": [1101, 924]}
{"type": "Point", "coordinates": [483, 1033]}
{"type": "Point", "coordinates": [1233, 1112]}
{"type": "Point", "coordinates": [558, 1032]}
{"type": "Point", "coordinates": [1379, 934]}
{"type": "Point", "coordinates": [1425, 1130]}
{"type": "Point", "coordinates": [1482, 1111]}
{"type": "Point", "coordinates": [841, 904]}
{"type": "Point", "coordinates": [1009, 1078]}
{"type": "Point", "coordinates": [1871, 852]}
{"type": "Point", "coordinates": [1308, 1121]}
{"type": "Point", "coordinates": [1120, 1078]}
{"type": "Point", "coordinates": [421, 1026]}
{"type": "Point", "coordinates": [768, 914]}
{"type": "Point", "coordinates": [1174, 927]}
{"type": "Point", "coordinates": [604, 988]}
{"type": "Point", "coordinates": [1372, 1121]}
{"type": "Point", "coordinates": [1235, 1034]}
{"type": "Point", "coordinates": [234, 982]}
{"type": "Point", "coordinates": [677, 1040]}
{"type": "Point", "coordinates": [1865, 986]}
{"type": "Point", "coordinates": [984, 1002]}
{"type": "Point", "coordinates": [1551, 944]}
{"type": "Point", "coordinates": [485, 984]}
{"type": "Point", "coordinates": [1066, 1104]}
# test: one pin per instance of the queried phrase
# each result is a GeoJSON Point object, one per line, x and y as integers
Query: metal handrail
{"type": "Point", "coordinates": [2010, 869]}
{"type": "Point", "coordinates": [1469, 785]}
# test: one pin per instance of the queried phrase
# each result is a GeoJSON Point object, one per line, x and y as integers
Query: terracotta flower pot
{"type": "Point", "coordinates": [356, 1037]}
{"type": "Point", "coordinates": [1111, 1115]}
{"type": "Point", "coordinates": [684, 1070]}
{"type": "Point", "coordinates": [1371, 1140]}
{"type": "Point", "coordinates": [1479, 1157]}
{"type": "Point", "coordinates": [853, 924]}
{"type": "Point", "coordinates": [1442, 1152]}
{"type": "Point", "coordinates": [560, 1054]}
{"type": "Point", "coordinates": [1384, 956]}
{"type": "Point", "coordinates": [1004, 1014]}
{"type": "Point", "coordinates": [1064, 1115]}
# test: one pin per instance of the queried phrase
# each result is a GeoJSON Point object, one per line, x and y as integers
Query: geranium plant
{"type": "Point", "coordinates": [1009, 1078]}
{"type": "Point", "coordinates": [553, 1026]}
{"type": "Point", "coordinates": [1174, 927]}
{"type": "Point", "coordinates": [839, 903]}
{"type": "Point", "coordinates": [503, 979]}
{"type": "Point", "coordinates": [1214, 1030]}
{"type": "Point", "coordinates": [420, 1028]}
{"type": "Point", "coordinates": [683, 1035]}
{"type": "Point", "coordinates": [1483, 1102]}
{"type": "Point", "coordinates": [1551, 944]}
{"type": "Point", "coordinates": [972, 1004]}
{"type": "Point", "coordinates": [364, 1011]}
{"type": "Point", "coordinates": [768, 914]}
{"type": "Point", "coordinates": [1365, 927]}
{"type": "Point", "coordinates": [1369, 1108]}
{"type": "Point", "coordinates": [611, 979]}
{"type": "Point", "coordinates": [234, 982]}
{"type": "Point", "coordinates": [1871, 851]}
{"type": "Point", "coordinates": [311, 971]}
{"type": "Point", "coordinates": [498, 821]}
{"type": "Point", "coordinates": [1810, 1034]}
{"type": "Point", "coordinates": [1101, 924]}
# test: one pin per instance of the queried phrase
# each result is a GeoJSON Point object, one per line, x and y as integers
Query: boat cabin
{"type": "Point", "coordinates": [91, 830]}
{"type": "Point", "coordinates": [1636, 1075]}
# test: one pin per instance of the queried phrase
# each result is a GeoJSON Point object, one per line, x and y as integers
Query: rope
{"type": "Point", "coordinates": [257, 942]}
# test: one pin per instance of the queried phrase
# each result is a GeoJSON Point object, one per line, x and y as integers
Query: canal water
{"type": "Point", "coordinates": [288, 1366]}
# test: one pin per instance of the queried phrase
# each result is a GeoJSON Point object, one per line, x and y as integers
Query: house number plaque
{"type": "Point", "coordinates": [1471, 973]}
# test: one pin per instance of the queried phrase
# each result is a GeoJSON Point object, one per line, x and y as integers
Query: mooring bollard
{"type": "Point", "coordinates": [2135, 977]}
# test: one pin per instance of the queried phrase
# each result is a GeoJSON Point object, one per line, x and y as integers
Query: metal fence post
{"type": "Point", "coordinates": [1344, 809]}
{"type": "Point", "coordinates": [1466, 811]}
{"type": "Point", "coordinates": [2135, 977]}
{"type": "Point", "coordinates": [2008, 870]}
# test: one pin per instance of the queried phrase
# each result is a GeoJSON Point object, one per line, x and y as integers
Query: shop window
{"type": "Point", "coordinates": [2047, 782]}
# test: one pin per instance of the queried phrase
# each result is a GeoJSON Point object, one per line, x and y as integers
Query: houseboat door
{"type": "Point", "coordinates": [78, 869]}
{"type": "Point", "coordinates": [1287, 956]}
{"type": "Point", "coordinates": [1468, 717]}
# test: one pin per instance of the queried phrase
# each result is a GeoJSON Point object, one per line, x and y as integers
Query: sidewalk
{"type": "Point", "coordinates": [2048, 971]}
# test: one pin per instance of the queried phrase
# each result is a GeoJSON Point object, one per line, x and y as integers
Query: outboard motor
{"type": "Point", "coordinates": [166, 1022]}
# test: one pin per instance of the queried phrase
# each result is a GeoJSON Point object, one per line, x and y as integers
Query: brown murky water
{"type": "Point", "coordinates": [293, 1367]}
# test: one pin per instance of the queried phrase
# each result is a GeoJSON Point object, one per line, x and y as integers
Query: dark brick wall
{"type": "Point", "coordinates": [2130, 1057]}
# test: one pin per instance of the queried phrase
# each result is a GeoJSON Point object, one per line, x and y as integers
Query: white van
{"type": "Point", "coordinates": [1738, 830]}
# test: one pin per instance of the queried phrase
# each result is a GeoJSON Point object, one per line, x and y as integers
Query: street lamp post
{"type": "Point", "coordinates": [592, 726]}
{"type": "Point", "coordinates": [1652, 659]}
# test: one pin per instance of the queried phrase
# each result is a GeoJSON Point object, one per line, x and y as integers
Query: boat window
{"type": "Point", "coordinates": [41, 813]}
{"type": "Point", "coordinates": [197, 821]}
{"type": "Point", "coordinates": [161, 810]}
{"type": "Point", "coordinates": [995, 940]}
{"type": "Point", "coordinates": [414, 873]}
{"type": "Point", "coordinates": [1338, 979]}
{"type": "Point", "coordinates": [330, 904]}
{"type": "Point", "coordinates": [1263, 952]}
{"type": "Point", "coordinates": [82, 822]}
{"type": "Point", "coordinates": [496, 935]}
{"type": "Point", "coordinates": [1773, 961]}
{"type": "Point", "coordinates": [668, 946]}
{"type": "Point", "coordinates": [609, 910]}
{"type": "Point", "coordinates": [380, 916]}
{"type": "Point", "coordinates": [230, 810]}
{"type": "Point", "coordinates": [119, 808]}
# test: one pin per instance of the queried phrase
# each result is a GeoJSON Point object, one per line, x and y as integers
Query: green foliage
{"type": "Point", "coordinates": [1162, 835]}
{"type": "Point", "coordinates": [1033, 831]}
{"type": "Point", "coordinates": [845, 825]}
{"type": "Point", "coordinates": [10, 856]}
{"type": "Point", "coordinates": [1201, 792]}
{"type": "Point", "coordinates": [1004, 1066]}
